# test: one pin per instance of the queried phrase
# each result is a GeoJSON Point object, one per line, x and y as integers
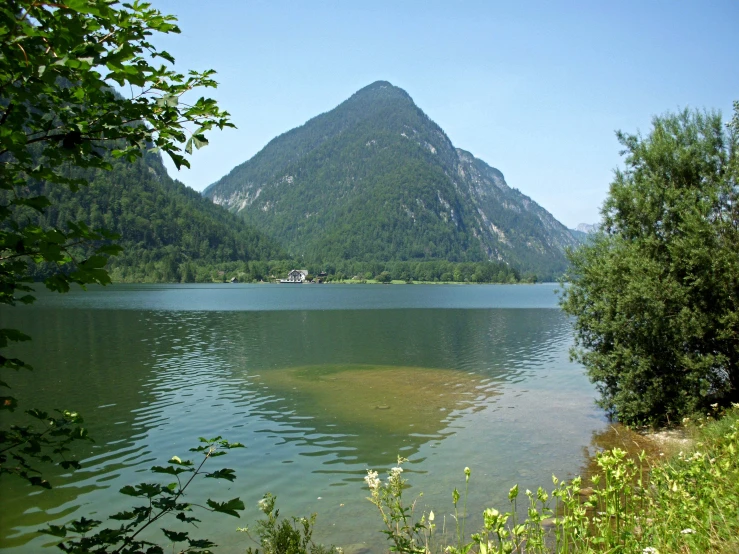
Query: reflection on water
{"type": "Point", "coordinates": [316, 395]}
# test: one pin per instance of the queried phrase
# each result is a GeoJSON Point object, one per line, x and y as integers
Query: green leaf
{"type": "Point", "coordinates": [84, 525]}
{"type": "Point", "coordinates": [230, 507]}
{"type": "Point", "coordinates": [200, 543]}
{"type": "Point", "coordinates": [187, 519]}
{"type": "Point", "coordinates": [54, 530]}
{"type": "Point", "coordinates": [169, 470]}
{"type": "Point", "coordinates": [38, 414]}
{"type": "Point", "coordinates": [39, 482]}
{"type": "Point", "coordinates": [178, 461]}
{"type": "Point", "coordinates": [228, 474]}
{"type": "Point", "coordinates": [176, 536]}
{"type": "Point", "coordinates": [142, 489]}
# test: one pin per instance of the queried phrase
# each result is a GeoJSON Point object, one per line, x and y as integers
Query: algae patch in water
{"type": "Point", "coordinates": [387, 399]}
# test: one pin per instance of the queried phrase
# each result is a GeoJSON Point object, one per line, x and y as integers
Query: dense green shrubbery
{"type": "Point", "coordinates": [654, 294]}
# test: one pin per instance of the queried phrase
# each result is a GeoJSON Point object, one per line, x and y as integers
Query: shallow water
{"type": "Point", "coordinates": [319, 382]}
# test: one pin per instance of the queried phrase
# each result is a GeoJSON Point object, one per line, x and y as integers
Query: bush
{"type": "Point", "coordinates": [654, 293]}
{"type": "Point", "coordinates": [285, 536]}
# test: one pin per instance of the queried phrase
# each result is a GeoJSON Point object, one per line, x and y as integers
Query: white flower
{"type": "Point", "coordinates": [650, 550]}
{"type": "Point", "coordinates": [688, 531]}
{"type": "Point", "coordinates": [262, 504]}
{"type": "Point", "coordinates": [373, 482]}
{"type": "Point", "coordinates": [431, 515]}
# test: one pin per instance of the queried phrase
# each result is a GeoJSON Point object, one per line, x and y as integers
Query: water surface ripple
{"type": "Point", "coordinates": [319, 382]}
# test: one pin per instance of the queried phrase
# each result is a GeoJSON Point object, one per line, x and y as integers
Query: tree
{"type": "Point", "coordinates": [383, 277]}
{"type": "Point", "coordinates": [655, 293]}
{"type": "Point", "coordinates": [79, 83]}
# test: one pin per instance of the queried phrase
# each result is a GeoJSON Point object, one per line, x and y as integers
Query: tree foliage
{"type": "Point", "coordinates": [167, 230]}
{"type": "Point", "coordinates": [655, 294]}
{"type": "Point", "coordinates": [125, 533]}
{"type": "Point", "coordinates": [60, 115]}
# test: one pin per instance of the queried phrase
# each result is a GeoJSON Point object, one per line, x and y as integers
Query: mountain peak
{"type": "Point", "coordinates": [375, 179]}
{"type": "Point", "coordinates": [381, 90]}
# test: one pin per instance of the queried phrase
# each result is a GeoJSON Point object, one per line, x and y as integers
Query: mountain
{"type": "Point", "coordinates": [586, 227]}
{"type": "Point", "coordinates": [375, 179]}
{"type": "Point", "coordinates": [580, 236]}
{"type": "Point", "coordinates": [582, 232]}
{"type": "Point", "coordinates": [169, 232]}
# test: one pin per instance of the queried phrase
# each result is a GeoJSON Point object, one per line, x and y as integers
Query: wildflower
{"type": "Point", "coordinates": [262, 504]}
{"type": "Point", "coordinates": [467, 474]}
{"type": "Point", "coordinates": [373, 482]}
{"type": "Point", "coordinates": [431, 515]}
{"type": "Point", "coordinates": [688, 531]}
{"type": "Point", "coordinates": [650, 550]}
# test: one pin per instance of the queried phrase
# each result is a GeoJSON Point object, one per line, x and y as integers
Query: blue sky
{"type": "Point", "coordinates": [536, 89]}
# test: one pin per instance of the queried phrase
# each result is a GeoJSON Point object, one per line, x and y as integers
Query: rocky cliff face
{"type": "Point", "coordinates": [376, 179]}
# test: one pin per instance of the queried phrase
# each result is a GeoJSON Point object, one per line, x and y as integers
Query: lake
{"type": "Point", "coordinates": [319, 382]}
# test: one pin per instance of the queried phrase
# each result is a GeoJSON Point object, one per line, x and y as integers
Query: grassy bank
{"type": "Point", "coordinates": [687, 502]}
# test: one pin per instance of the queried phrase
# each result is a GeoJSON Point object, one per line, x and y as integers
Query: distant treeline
{"type": "Point", "coordinates": [169, 270]}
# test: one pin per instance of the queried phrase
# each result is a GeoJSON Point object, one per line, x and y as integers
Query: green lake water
{"type": "Point", "coordinates": [319, 382]}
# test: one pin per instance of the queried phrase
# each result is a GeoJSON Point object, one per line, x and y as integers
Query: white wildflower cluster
{"type": "Point", "coordinates": [372, 480]}
{"type": "Point", "coordinates": [688, 531]}
{"type": "Point", "coordinates": [650, 550]}
{"type": "Point", "coordinates": [394, 481]}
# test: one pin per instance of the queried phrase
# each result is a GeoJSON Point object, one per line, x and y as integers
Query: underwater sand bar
{"type": "Point", "coordinates": [386, 399]}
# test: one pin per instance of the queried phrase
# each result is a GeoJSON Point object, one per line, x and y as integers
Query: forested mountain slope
{"type": "Point", "coordinates": [167, 229]}
{"type": "Point", "coordinates": [375, 179]}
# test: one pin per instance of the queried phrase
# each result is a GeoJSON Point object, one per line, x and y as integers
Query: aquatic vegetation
{"type": "Point", "coordinates": [387, 399]}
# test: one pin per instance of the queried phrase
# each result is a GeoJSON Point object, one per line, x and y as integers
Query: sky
{"type": "Point", "coordinates": [535, 89]}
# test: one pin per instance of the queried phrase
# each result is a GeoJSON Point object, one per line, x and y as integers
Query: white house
{"type": "Point", "coordinates": [296, 276]}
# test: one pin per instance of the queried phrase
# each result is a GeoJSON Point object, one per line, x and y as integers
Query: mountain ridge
{"type": "Point", "coordinates": [169, 232]}
{"type": "Point", "coordinates": [376, 179]}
